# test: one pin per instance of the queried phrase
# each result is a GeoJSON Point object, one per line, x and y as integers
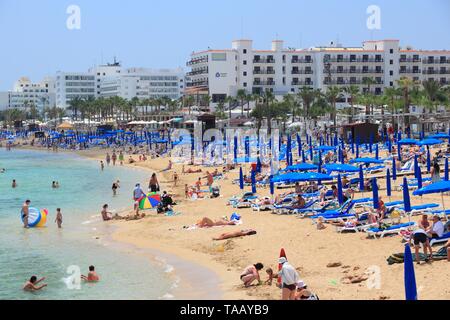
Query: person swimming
{"type": "Point", "coordinates": [31, 285]}
{"type": "Point", "coordinates": [92, 275]}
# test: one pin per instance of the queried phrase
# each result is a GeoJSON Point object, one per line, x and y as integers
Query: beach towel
{"type": "Point", "coordinates": [441, 254]}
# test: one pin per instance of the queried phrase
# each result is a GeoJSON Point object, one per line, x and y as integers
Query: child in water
{"type": "Point", "coordinates": [58, 219]}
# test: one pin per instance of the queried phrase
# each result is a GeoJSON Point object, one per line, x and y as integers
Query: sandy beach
{"type": "Point", "coordinates": [310, 250]}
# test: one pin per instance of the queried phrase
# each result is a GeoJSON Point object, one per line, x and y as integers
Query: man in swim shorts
{"type": "Point", "coordinates": [30, 285]}
{"type": "Point", "coordinates": [92, 275]}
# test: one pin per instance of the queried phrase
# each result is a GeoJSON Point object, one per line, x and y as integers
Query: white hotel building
{"type": "Point", "coordinates": [222, 73]}
{"type": "Point", "coordinates": [113, 80]}
{"type": "Point", "coordinates": [26, 93]}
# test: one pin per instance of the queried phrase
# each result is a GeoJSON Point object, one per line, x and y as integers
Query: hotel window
{"type": "Point", "coordinates": [308, 58]}
{"type": "Point", "coordinates": [378, 57]}
{"type": "Point", "coordinates": [391, 73]}
{"type": "Point", "coordinates": [245, 84]}
{"type": "Point", "coordinates": [244, 51]}
{"type": "Point", "coordinates": [352, 58]}
{"type": "Point", "coordinates": [284, 58]}
{"type": "Point", "coordinates": [416, 69]}
{"type": "Point", "coordinates": [352, 69]}
{"type": "Point", "coordinates": [391, 51]}
{"type": "Point", "coordinates": [391, 61]}
{"type": "Point", "coordinates": [245, 62]}
{"type": "Point", "coordinates": [245, 73]}
{"type": "Point", "coordinates": [391, 83]}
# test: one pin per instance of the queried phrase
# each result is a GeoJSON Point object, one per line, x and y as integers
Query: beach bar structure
{"type": "Point", "coordinates": [361, 132]}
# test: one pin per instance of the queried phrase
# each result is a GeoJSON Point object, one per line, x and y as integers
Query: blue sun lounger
{"type": "Point", "coordinates": [445, 237]}
{"type": "Point", "coordinates": [390, 230]}
{"type": "Point", "coordinates": [422, 208]}
{"type": "Point", "coordinates": [340, 212]}
{"type": "Point", "coordinates": [291, 209]}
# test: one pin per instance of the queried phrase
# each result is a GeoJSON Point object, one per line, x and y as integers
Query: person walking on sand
{"type": "Point", "coordinates": [289, 279]}
{"type": "Point", "coordinates": [251, 273]}
{"type": "Point", "coordinates": [209, 180]}
{"type": "Point", "coordinates": [114, 158]}
{"type": "Point", "coordinates": [153, 184]}
{"type": "Point", "coordinates": [138, 195]}
{"type": "Point", "coordinates": [102, 165]}
{"type": "Point", "coordinates": [31, 285]}
{"type": "Point", "coordinates": [59, 218]}
{"type": "Point", "coordinates": [121, 157]}
{"type": "Point", "coordinates": [175, 179]}
{"type": "Point", "coordinates": [108, 158]}
{"type": "Point", "coordinates": [25, 212]}
{"type": "Point", "coordinates": [92, 275]}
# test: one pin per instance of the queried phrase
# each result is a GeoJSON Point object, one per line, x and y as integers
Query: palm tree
{"type": "Point", "coordinates": [268, 103]}
{"type": "Point", "coordinates": [189, 102]}
{"type": "Point", "coordinates": [241, 95]}
{"type": "Point", "coordinates": [206, 100]}
{"type": "Point", "coordinates": [220, 111]}
{"type": "Point", "coordinates": [75, 106]}
{"type": "Point", "coordinates": [307, 96]}
{"type": "Point", "coordinates": [391, 97]}
{"type": "Point", "coordinates": [352, 91]}
{"type": "Point", "coordinates": [432, 90]}
{"type": "Point", "coordinates": [406, 85]}
{"type": "Point", "coordinates": [230, 100]}
{"type": "Point", "coordinates": [333, 94]}
{"type": "Point", "coordinates": [368, 95]}
{"type": "Point", "coordinates": [291, 104]}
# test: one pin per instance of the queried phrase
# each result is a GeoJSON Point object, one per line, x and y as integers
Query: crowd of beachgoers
{"type": "Point", "coordinates": [332, 186]}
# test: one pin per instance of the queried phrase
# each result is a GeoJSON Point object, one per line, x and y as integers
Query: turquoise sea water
{"type": "Point", "coordinates": [50, 251]}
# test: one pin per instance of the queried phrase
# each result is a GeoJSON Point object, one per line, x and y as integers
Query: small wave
{"type": "Point", "coordinates": [86, 222]}
{"type": "Point", "coordinates": [167, 296]}
{"type": "Point", "coordinates": [169, 268]}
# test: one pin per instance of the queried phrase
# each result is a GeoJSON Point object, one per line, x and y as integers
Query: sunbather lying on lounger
{"type": "Point", "coordinates": [235, 234]}
{"type": "Point", "coordinates": [208, 223]}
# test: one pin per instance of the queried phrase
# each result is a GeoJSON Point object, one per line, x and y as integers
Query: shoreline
{"type": "Point", "coordinates": [186, 271]}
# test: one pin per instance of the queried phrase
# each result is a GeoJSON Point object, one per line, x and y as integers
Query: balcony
{"type": "Point", "coordinates": [264, 71]}
{"type": "Point", "coordinates": [263, 83]}
{"type": "Point", "coordinates": [409, 70]}
{"type": "Point", "coordinates": [301, 71]}
{"type": "Point", "coordinates": [197, 72]}
{"type": "Point", "coordinates": [195, 61]}
{"type": "Point", "coordinates": [349, 82]}
{"type": "Point", "coordinates": [353, 71]}
{"type": "Point", "coordinates": [263, 60]}
{"type": "Point", "coordinates": [402, 60]}
{"type": "Point", "coordinates": [302, 83]}
{"type": "Point", "coordinates": [301, 60]}
{"type": "Point", "coordinates": [436, 61]}
{"type": "Point", "coordinates": [201, 83]}
{"type": "Point", "coordinates": [376, 60]}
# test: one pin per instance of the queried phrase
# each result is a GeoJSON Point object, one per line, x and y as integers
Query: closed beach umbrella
{"type": "Point", "coordinates": [235, 149]}
{"type": "Point", "coordinates": [388, 183]}
{"type": "Point", "coordinates": [361, 178]}
{"type": "Point", "coordinates": [416, 166]}
{"type": "Point", "coordinates": [419, 178]}
{"type": "Point", "coordinates": [258, 165]}
{"type": "Point", "coordinates": [310, 150]}
{"type": "Point", "coordinates": [409, 276]}
{"type": "Point", "coordinates": [399, 152]}
{"type": "Point", "coordinates": [357, 150]}
{"type": "Point", "coordinates": [446, 169]}
{"type": "Point", "coordinates": [376, 151]}
{"type": "Point", "coordinates": [319, 169]}
{"type": "Point", "coordinates": [353, 147]}
{"type": "Point", "coordinates": [303, 156]}
{"type": "Point", "coordinates": [339, 187]}
{"type": "Point", "coordinates": [253, 181]}
{"type": "Point", "coordinates": [241, 179]}
{"type": "Point", "coordinates": [394, 170]}
{"type": "Point", "coordinates": [428, 160]}
{"type": "Point", "coordinates": [376, 204]}
{"type": "Point", "coordinates": [299, 142]}
{"type": "Point", "coordinates": [272, 186]}
{"type": "Point", "coordinates": [389, 145]}
{"type": "Point", "coordinates": [406, 199]}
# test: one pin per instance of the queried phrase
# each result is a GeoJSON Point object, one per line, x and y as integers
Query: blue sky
{"type": "Point", "coordinates": [154, 33]}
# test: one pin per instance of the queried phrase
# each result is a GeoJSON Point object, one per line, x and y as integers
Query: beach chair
{"type": "Point", "coordinates": [305, 212]}
{"type": "Point", "coordinates": [345, 209]}
{"type": "Point", "coordinates": [395, 229]}
{"type": "Point", "coordinates": [290, 209]}
{"type": "Point", "coordinates": [441, 212]}
{"type": "Point", "coordinates": [421, 209]}
{"type": "Point", "coordinates": [374, 169]}
{"type": "Point", "coordinates": [445, 237]}
{"type": "Point", "coordinates": [357, 228]}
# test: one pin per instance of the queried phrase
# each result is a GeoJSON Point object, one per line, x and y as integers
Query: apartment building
{"type": "Point", "coordinates": [281, 70]}
{"type": "Point", "coordinates": [145, 84]}
{"type": "Point", "coordinates": [26, 93]}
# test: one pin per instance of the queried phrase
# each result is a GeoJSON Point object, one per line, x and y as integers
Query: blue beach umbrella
{"type": "Point", "coordinates": [408, 141]}
{"type": "Point", "coordinates": [446, 169]}
{"type": "Point", "coordinates": [272, 186]}
{"type": "Point", "coordinates": [409, 275]}
{"type": "Point", "coordinates": [389, 145]}
{"type": "Point", "coordinates": [241, 179]}
{"type": "Point", "coordinates": [253, 181]}
{"type": "Point", "coordinates": [361, 178]}
{"type": "Point", "coordinates": [419, 178]}
{"type": "Point", "coordinates": [341, 167]}
{"type": "Point", "coordinates": [366, 160]}
{"type": "Point", "coordinates": [310, 150]}
{"type": "Point", "coordinates": [428, 160]}
{"type": "Point", "coordinates": [304, 166]}
{"type": "Point", "coordinates": [429, 142]}
{"type": "Point", "coordinates": [319, 169]}
{"type": "Point", "coordinates": [357, 150]}
{"type": "Point", "coordinates": [301, 176]}
{"type": "Point", "coordinates": [406, 199]}
{"type": "Point", "coordinates": [299, 142]}
{"type": "Point", "coordinates": [339, 187]}
{"type": "Point", "coordinates": [394, 170]}
{"type": "Point", "coordinates": [376, 152]}
{"type": "Point", "coordinates": [258, 165]}
{"type": "Point", "coordinates": [235, 148]}
{"type": "Point", "coordinates": [416, 166]}
{"type": "Point", "coordinates": [388, 183]}
{"type": "Point", "coordinates": [303, 156]}
{"type": "Point", "coordinates": [376, 203]}
{"type": "Point", "coordinates": [437, 187]}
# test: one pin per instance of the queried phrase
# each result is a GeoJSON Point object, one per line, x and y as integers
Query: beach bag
{"type": "Point", "coordinates": [215, 192]}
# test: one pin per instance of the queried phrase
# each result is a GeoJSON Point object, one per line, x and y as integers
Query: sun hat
{"type": "Point", "coordinates": [282, 260]}
{"type": "Point", "coordinates": [301, 284]}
